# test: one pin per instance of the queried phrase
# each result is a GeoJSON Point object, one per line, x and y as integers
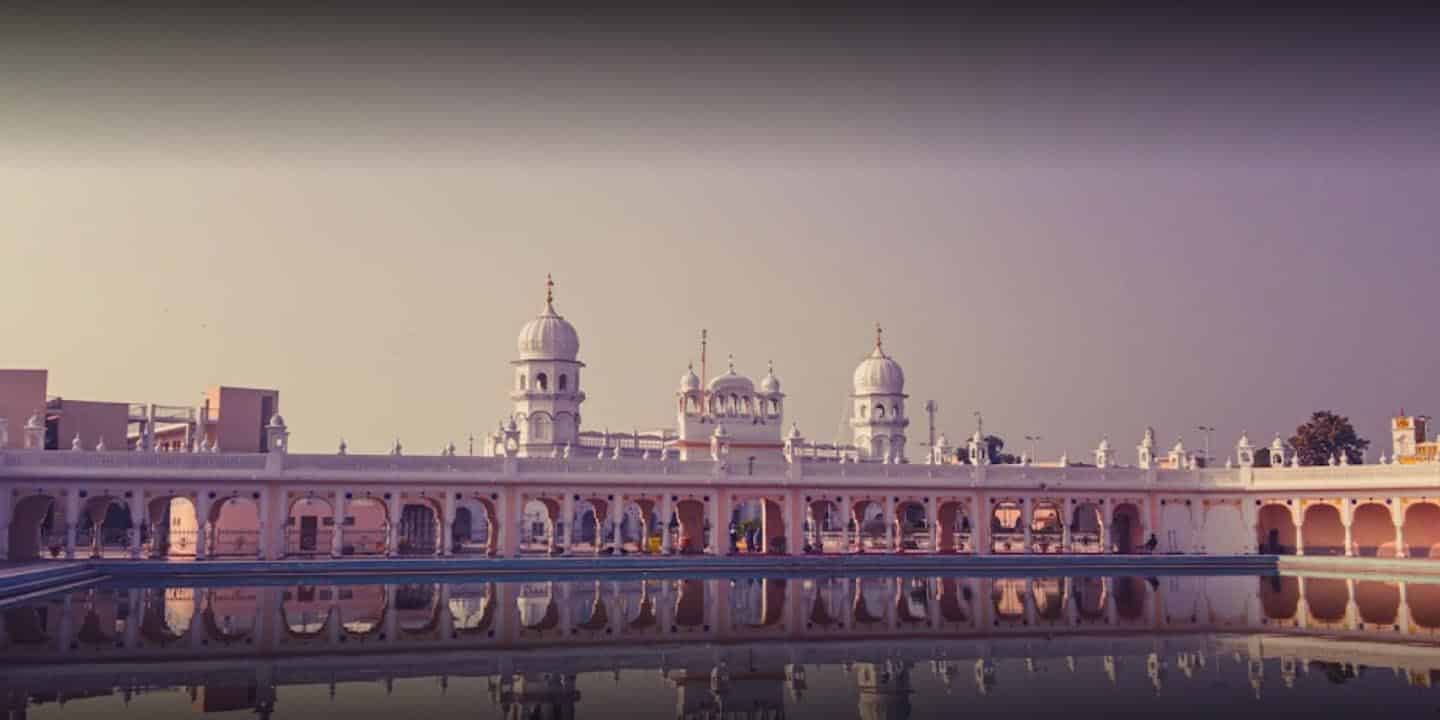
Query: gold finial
{"type": "Point", "coordinates": [730, 357]}
{"type": "Point", "coordinates": [879, 337]}
{"type": "Point", "coordinates": [549, 289]}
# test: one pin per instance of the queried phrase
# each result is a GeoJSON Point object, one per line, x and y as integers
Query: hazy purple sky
{"type": "Point", "coordinates": [1079, 226]}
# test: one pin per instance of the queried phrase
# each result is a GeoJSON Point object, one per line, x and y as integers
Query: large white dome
{"type": "Point", "coordinates": [549, 336]}
{"type": "Point", "coordinates": [879, 375]}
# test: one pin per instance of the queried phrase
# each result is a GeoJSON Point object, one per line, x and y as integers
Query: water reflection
{"type": "Point", "coordinates": [751, 646]}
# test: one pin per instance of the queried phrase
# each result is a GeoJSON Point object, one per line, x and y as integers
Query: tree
{"type": "Point", "coordinates": [1327, 435]}
{"type": "Point", "coordinates": [995, 446]}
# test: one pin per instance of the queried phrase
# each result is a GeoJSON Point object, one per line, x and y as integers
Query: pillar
{"type": "Point", "coordinates": [72, 519]}
{"type": "Point", "coordinates": [1297, 516]}
{"type": "Point", "coordinates": [447, 526]}
{"type": "Point", "coordinates": [139, 513]}
{"type": "Point", "coordinates": [1107, 532]}
{"type": "Point", "coordinates": [1347, 518]}
{"type": "Point", "coordinates": [263, 549]}
{"type": "Point", "coordinates": [794, 513]}
{"type": "Point", "coordinates": [932, 517]}
{"type": "Point", "coordinates": [980, 526]}
{"type": "Point", "coordinates": [7, 509]}
{"type": "Point", "coordinates": [1397, 517]}
{"type": "Point", "coordinates": [392, 615]}
{"type": "Point", "coordinates": [1027, 506]}
{"type": "Point", "coordinates": [617, 515]}
{"type": "Point", "coordinates": [667, 511]}
{"type": "Point", "coordinates": [202, 525]}
{"type": "Point", "coordinates": [846, 515]}
{"type": "Point", "coordinates": [892, 538]}
{"type": "Point", "coordinates": [562, 538]}
{"type": "Point", "coordinates": [507, 524]}
{"type": "Point", "coordinates": [719, 511]}
{"type": "Point", "coordinates": [392, 528]}
{"type": "Point", "coordinates": [1067, 517]}
{"type": "Point", "coordinates": [337, 534]}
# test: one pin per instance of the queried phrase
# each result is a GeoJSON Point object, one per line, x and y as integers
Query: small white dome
{"type": "Point", "coordinates": [732, 382]}
{"type": "Point", "coordinates": [879, 374]}
{"type": "Point", "coordinates": [689, 382]}
{"type": "Point", "coordinates": [548, 336]}
{"type": "Point", "coordinates": [770, 383]}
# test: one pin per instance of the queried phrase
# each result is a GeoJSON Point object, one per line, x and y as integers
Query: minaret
{"type": "Point", "coordinates": [878, 418]}
{"type": "Point", "coordinates": [546, 391]}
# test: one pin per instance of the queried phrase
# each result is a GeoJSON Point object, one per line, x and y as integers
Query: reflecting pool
{"type": "Point", "coordinates": [723, 647]}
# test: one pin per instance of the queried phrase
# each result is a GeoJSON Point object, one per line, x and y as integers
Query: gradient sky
{"type": "Point", "coordinates": [1079, 226]}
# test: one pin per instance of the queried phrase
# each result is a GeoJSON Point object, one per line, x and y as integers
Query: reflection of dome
{"type": "Point", "coordinates": [689, 382]}
{"type": "Point", "coordinates": [548, 336]}
{"type": "Point", "coordinates": [770, 383]}
{"type": "Point", "coordinates": [878, 374]}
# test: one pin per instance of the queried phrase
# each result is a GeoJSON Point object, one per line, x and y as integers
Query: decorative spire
{"type": "Point", "coordinates": [730, 357]}
{"type": "Point", "coordinates": [770, 366]}
{"type": "Point", "coordinates": [879, 338]}
{"type": "Point", "coordinates": [549, 292]}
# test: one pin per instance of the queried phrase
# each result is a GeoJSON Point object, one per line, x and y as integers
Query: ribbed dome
{"type": "Point", "coordinates": [878, 374]}
{"type": "Point", "coordinates": [549, 336]}
{"type": "Point", "coordinates": [689, 382]}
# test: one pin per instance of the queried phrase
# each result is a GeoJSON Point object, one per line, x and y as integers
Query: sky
{"type": "Point", "coordinates": [1079, 226]}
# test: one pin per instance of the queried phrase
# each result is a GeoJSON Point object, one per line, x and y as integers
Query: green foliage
{"type": "Point", "coordinates": [996, 447]}
{"type": "Point", "coordinates": [1326, 435]}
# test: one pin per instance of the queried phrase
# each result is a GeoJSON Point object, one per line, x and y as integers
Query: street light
{"type": "Point", "coordinates": [1034, 446]}
{"type": "Point", "coordinates": [1207, 430]}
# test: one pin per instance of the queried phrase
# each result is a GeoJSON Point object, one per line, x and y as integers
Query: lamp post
{"type": "Point", "coordinates": [1034, 446]}
{"type": "Point", "coordinates": [1207, 430]}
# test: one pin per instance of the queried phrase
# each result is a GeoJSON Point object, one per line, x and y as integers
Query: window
{"type": "Point", "coordinates": [879, 412]}
{"type": "Point", "coordinates": [563, 382]}
{"type": "Point", "coordinates": [522, 381]}
{"type": "Point", "coordinates": [542, 382]}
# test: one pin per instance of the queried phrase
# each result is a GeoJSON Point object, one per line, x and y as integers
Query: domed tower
{"type": "Point", "coordinates": [546, 389]}
{"type": "Point", "coordinates": [878, 406]}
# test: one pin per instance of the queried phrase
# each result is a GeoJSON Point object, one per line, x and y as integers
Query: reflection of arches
{"type": "Point", "coordinates": [25, 625]}
{"type": "Point", "coordinates": [1008, 597]}
{"type": "Point", "coordinates": [1422, 530]}
{"type": "Point", "coordinates": [1280, 596]}
{"type": "Point", "coordinates": [225, 616]}
{"type": "Point", "coordinates": [305, 613]}
{"type": "Point", "coordinates": [1372, 531]}
{"type": "Point", "coordinates": [1326, 599]}
{"type": "Point", "coordinates": [472, 609]}
{"type": "Point", "coordinates": [690, 605]}
{"type": "Point", "coordinates": [1049, 598]}
{"type": "Point", "coordinates": [1378, 602]}
{"type": "Point", "coordinates": [1089, 597]}
{"type": "Point", "coordinates": [912, 603]}
{"type": "Point", "coordinates": [954, 601]}
{"type": "Point", "coordinates": [1323, 533]}
{"type": "Point", "coordinates": [417, 607]}
{"type": "Point", "coordinates": [1276, 530]}
{"type": "Point", "coordinates": [826, 601]}
{"type": "Point", "coordinates": [362, 609]}
{"type": "Point", "coordinates": [539, 518]}
{"type": "Point", "coordinates": [34, 522]}
{"type": "Point", "coordinates": [474, 529]}
{"type": "Point", "coordinates": [1130, 594]}
{"type": "Point", "coordinates": [1424, 601]}
{"type": "Point", "coordinates": [167, 615]}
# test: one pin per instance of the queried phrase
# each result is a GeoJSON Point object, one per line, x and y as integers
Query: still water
{"type": "Point", "coordinates": [754, 647]}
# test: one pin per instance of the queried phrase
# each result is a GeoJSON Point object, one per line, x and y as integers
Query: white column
{"type": "Point", "coordinates": [667, 510]}
{"type": "Point", "coordinates": [72, 521]}
{"type": "Point", "coordinates": [447, 526]}
{"type": "Point", "coordinates": [392, 528]}
{"type": "Point", "coordinates": [1026, 507]}
{"type": "Point", "coordinates": [1067, 516]}
{"type": "Point", "coordinates": [1107, 533]}
{"type": "Point", "coordinates": [1297, 516]}
{"type": "Point", "coordinates": [337, 535]}
{"type": "Point", "coordinates": [892, 539]}
{"type": "Point", "coordinates": [202, 526]}
{"type": "Point", "coordinates": [932, 517]}
{"type": "Point", "coordinates": [1347, 516]}
{"type": "Point", "coordinates": [788, 519]}
{"type": "Point", "coordinates": [1397, 516]}
{"type": "Point", "coordinates": [616, 516]}
{"type": "Point", "coordinates": [262, 548]}
{"type": "Point", "coordinates": [563, 538]}
{"type": "Point", "coordinates": [846, 515]}
{"type": "Point", "coordinates": [138, 519]}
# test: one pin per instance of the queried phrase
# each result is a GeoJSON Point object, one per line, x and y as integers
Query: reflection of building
{"type": "Point", "coordinates": [884, 690]}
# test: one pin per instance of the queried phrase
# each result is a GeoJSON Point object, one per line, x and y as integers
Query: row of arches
{"type": "Point", "coordinates": [1371, 531]}
{"type": "Point", "coordinates": [722, 404]}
